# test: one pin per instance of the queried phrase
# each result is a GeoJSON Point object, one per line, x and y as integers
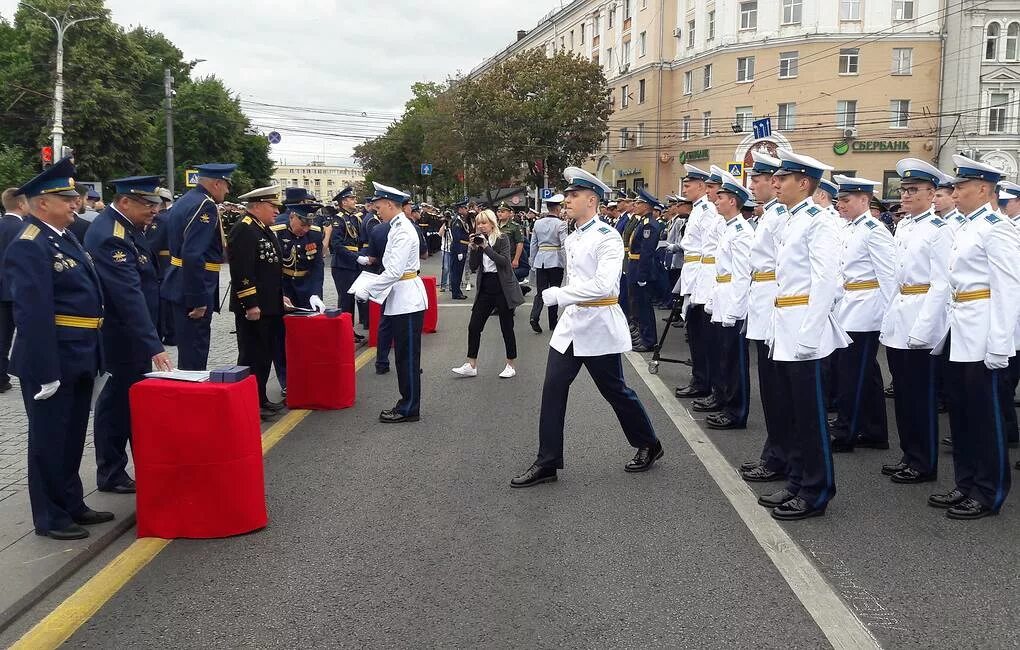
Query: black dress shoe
{"type": "Point", "coordinates": [275, 407]}
{"type": "Point", "coordinates": [358, 338]}
{"type": "Point", "coordinates": [535, 327]}
{"type": "Point", "coordinates": [691, 391]}
{"type": "Point", "coordinates": [127, 487]}
{"type": "Point", "coordinates": [1017, 466]}
{"type": "Point", "coordinates": [641, 347]}
{"type": "Point", "coordinates": [393, 417]}
{"type": "Point", "coordinates": [460, 297]}
{"type": "Point", "coordinates": [775, 499]}
{"type": "Point", "coordinates": [947, 500]}
{"type": "Point", "coordinates": [841, 446]}
{"type": "Point", "coordinates": [866, 443]}
{"type": "Point", "coordinates": [644, 458]}
{"type": "Point", "coordinates": [748, 465]}
{"type": "Point", "coordinates": [92, 517]}
{"type": "Point", "coordinates": [268, 416]}
{"type": "Point", "coordinates": [889, 470]}
{"type": "Point", "coordinates": [722, 421]}
{"type": "Point", "coordinates": [705, 405]}
{"type": "Point", "coordinates": [761, 474]}
{"type": "Point", "coordinates": [970, 509]}
{"type": "Point", "coordinates": [382, 370]}
{"type": "Point", "coordinates": [533, 476]}
{"type": "Point", "coordinates": [6, 386]}
{"type": "Point", "coordinates": [74, 531]}
{"type": "Point", "coordinates": [911, 475]}
{"type": "Point", "coordinates": [795, 509]}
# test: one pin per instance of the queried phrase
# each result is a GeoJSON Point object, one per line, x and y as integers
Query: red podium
{"type": "Point", "coordinates": [432, 311]}
{"type": "Point", "coordinates": [320, 362]}
{"type": "Point", "coordinates": [198, 458]}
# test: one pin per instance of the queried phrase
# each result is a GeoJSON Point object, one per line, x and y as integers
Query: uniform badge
{"type": "Point", "coordinates": [143, 260]}
{"type": "Point", "coordinates": [58, 266]}
{"type": "Point", "coordinates": [119, 256]}
{"type": "Point", "coordinates": [311, 248]}
{"type": "Point", "coordinates": [246, 282]}
{"type": "Point", "coordinates": [204, 218]}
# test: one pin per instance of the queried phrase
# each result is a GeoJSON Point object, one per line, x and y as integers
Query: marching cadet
{"type": "Point", "coordinates": [804, 333]}
{"type": "Point", "coordinates": [771, 465]}
{"type": "Point", "coordinates": [460, 230]}
{"type": "Point", "coordinates": [945, 206]}
{"type": "Point", "coordinates": [256, 298]}
{"type": "Point", "coordinates": [402, 294]}
{"type": "Point", "coordinates": [58, 310]}
{"type": "Point", "coordinates": [824, 198]}
{"type": "Point", "coordinates": [548, 258]}
{"type": "Point", "coordinates": [703, 214]}
{"type": "Point", "coordinates": [915, 320]}
{"type": "Point", "coordinates": [703, 294]}
{"type": "Point", "coordinates": [644, 241]}
{"type": "Point", "coordinates": [1009, 200]}
{"type": "Point", "coordinates": [131, 346]}
{"type": "Point", "coordinates": [591, 332]}
{"type": "Point", "coordinates": [984, 278]}
{"type": "Point", "coordinates": [729, 306]}
{"type": "Point", "coordinates": [346, 245]}
{"type": "Point", "coordinates": [869, 285]}
{"type": "Point", "coordinates": [156, 235]}
{"type": "Point", "coordinates": [192, 281]}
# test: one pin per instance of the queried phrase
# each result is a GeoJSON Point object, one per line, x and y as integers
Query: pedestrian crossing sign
{"type": "Point", "coordinates": [736, 169]}
{"type": "Point", "coordinates": [191, 177]}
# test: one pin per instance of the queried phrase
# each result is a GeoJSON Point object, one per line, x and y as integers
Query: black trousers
{"type": "Point", "coordinates": [6, 338]}
{"type": "Point", "coordinates": [407, 343]}
{"type": "Point", "coordinates": [56, 440]}
{"type": "Point", "coordinates": [810, 474]}
{"type": "Point", "coordinates": [343, 279]}
{"type": "Point", "coordinates": [644, 312]}
{"type": "Point", "coordinates": [456, 275]}
{"type": "Point", "coordinates": [166, 323]}
{"type": "Point", "coordinates": [112, 427]}
{"type": "Point", "coordinates": [977, 407]}
{"type": "Point", "coordinates": [710, 333]}
{"type": "Point", "coordinates": [916, 374]}
{"type": "Point", "coordinates": [701, 378]}
{"type": "Point", "coordinates": [607, 372]}
{"type": "Point", "coordinates": [257, 341]}
{"type": "Point", "coordinates": [192, 338]}
{"type": "Point", "coordinates": [1010, 377]}
{"type": "Point", "coordinates": [775, 407]}
{"type": "Point", "coordinates": [861, 397]}
{"type": "Point", "coordinates": [545, 278]}
{"type": "Point", "coordinates": [489, 298]}
{"type": "Point", "coordinates": [735, 388]}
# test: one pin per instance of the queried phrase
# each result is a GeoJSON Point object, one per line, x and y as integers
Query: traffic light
{"type": "Point", "coordinates": [47, 156]}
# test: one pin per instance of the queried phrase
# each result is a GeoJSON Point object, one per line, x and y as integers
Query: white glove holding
{"type": "Point", "coordinates": [674, 248]}
{"type": "Point", "coordinates": [460, 257]}
{"type": "Point", "coordinates": [916, 343]}
{"type": "Point", "coordinates": [729, 322]}
{"type": "Point", "coordinates": [48, 390]}
{"type": "Point", "coordinates": [361, 295]}
{"type": "Point", "coordinates": [641, 284]}
{"type": "Point", "coordinates": [549, 296]}
{"type": "Point", "coordinates": [992, 361]}
{"type": "Point", "coordinates": [363, 260]}
{"type": "Point", "coordinates": [316, 303]}
{"type": "Point", "coordinates": [803, 352]}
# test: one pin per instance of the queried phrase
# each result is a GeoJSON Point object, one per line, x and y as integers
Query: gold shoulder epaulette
{"type": "Point", "coordinates": [316, 228]}
{"type": "Point", "coordinates": [118, 230]}
{"type": "Point", "coordinates": [31, 231]}
{"type": "Point", "coordinates": [246, 220]}
{"type": "Point", "coordinates": [277, 226]}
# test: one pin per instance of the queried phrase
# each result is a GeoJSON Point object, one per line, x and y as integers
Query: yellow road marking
{"type": "Point", "coordinates": [58, 626]}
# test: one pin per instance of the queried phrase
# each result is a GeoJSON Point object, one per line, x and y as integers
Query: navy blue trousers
{"type": "Point", "coordinates": [778, 423]}
{"type": "Point", "coordinates": [861, 398]}
{"type": "Point", "coordinates": [113, 424]}
{"type": "Point", "coordinates": [811, 475]}
{"type": "Point", "coordinates": [6, 338]}
{"type": "Point", "coordinates": [456, 275]}
{"type": "Point", "coordinates": [166, 323]}
{"type": "Point", "coordinates": [644, 312]}
{"type": "Point", "coordinates": [607, 372]}
{"type": "Point", "coordinates": [56, 440]}
{"type": "Point", "coordinates": [545, 278]}
{"type": "Point", "coordinates": [698, 339]}
{"type": "Point", "coordinates": [343, 279]}
{"type": "Point", "coordinates": [384, 341]}
{"type": "Point", "coordinates": [406, 330]}
{"type": "Point", "coordinates": [735, 384]}
{"type": "Point", "coordinates": [192, 338]}
{"type": "Point", "coordinates": [915, 373]}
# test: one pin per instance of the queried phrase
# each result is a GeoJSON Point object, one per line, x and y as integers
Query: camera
{"type": "Point", "coordinates": [478, 240]}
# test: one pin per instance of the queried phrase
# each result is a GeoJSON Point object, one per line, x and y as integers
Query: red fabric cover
{"type": "Point", "coordinates": [198, 458]}
{"type": "Point", "coordinates": [320, 362]}
{"type": "Point", "coordinates": [374, 314]}
{"type": "Point", "coordinates": [432, 311]}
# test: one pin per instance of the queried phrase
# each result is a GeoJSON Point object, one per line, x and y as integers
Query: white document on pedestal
{"type": "Point", "coordinates": [368, 282]}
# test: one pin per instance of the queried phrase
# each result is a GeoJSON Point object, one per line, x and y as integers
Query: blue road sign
{"type": "Point", "coordinates": [762, 128]}
{"type": "Point", "coordinates": [426, 169]}
{"type": "Point", "coordinates": [275, 137]}
{"type": "Point", "coordinates": [735, 169]}
{"type": "Point", "coordinates": [547, 193]}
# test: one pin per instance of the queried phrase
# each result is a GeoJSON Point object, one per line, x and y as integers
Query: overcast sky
{"type": "Point", "coordinates": [338, 55]}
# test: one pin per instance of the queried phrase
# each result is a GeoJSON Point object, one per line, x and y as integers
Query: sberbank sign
{"type": "Point", "coordinates": [871, 146]}
{"type": "Point", "coordinates": [690, 156]}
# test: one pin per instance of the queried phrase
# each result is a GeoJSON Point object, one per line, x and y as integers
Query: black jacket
{"type": "Point", "coordinates": [500, 254]}
{"type": "Point", "coordinates": [256, 269]}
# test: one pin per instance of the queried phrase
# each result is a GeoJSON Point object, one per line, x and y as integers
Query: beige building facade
{"type": "Point", "coordinates": [322, 180]}
{"type": "Point", "coordinates": [854, 83]}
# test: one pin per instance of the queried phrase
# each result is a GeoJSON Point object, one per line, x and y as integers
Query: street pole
{"type": "Point", "coordinates": [168, 89]}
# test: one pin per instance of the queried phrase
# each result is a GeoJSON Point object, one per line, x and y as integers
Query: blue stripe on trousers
{"type": "Point", "coordinates": [1000, 442]}
{"type": "Point", "coordinates": [823, 427]}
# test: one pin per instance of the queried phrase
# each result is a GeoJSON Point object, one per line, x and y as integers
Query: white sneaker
{"type": "Point", "coordinates": [508, 372]}
{"type": "Point", "coordinates": [466, 370]}
{"type": "Point", "coordinates": [468, 287]}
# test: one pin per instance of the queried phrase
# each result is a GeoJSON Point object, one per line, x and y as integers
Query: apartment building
{"type": "Point", "coordinates": [322, 180]}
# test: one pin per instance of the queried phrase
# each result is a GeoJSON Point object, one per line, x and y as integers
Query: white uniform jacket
{"type": "Point", "coordinates": [955, 220]}
{"type": "Point", "coordinates": [762, 296]}
{"type": "Point", "coordinates": [705, 288]}
{"type": "Point", "coordinates": [702, 214]}
{"type": "Point", "coordinates": [594, 263]}
{"type": "Point", "coordinates": [547, 240]}
{"type": "Point", "coordinates": [807, 272]}
{"type": "Point", "coordinates": [394, 287]}
{"type": "Point", "coordinates": [869, 257]}
{"type": "Point", "coordinates": [984, 276]}
{"type": "Point", "coordinates": [920, 309]}
{"type": "Point", "coordinates": [1016, 334]}
{"type": "Point", "coordinates": [733, 272]}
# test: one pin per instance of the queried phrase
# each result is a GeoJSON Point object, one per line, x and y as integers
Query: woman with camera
{"type": "Point", "coordinates": [490, 256]}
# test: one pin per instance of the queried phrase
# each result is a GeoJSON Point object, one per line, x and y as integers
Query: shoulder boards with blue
{"type": "Point", "coordinates": [780, 208]}
{"type": "Point", "coordinates": [813, 210]}
{"type": "Point", "coordinates": [992, 218]}
{"type": "Point", "coordinates": [246, 220]}
{"type": "Point", "coordinates": [31, 232]}
{"type": "Point", "coordinates": [938, 223]}
{"type": "Point", "coordinates": [871, 224]}
{"type": "Point", "coordinates": [739, 227]}
{"type": "Point", "coordinates": [276, 227]}
{"type": "Point", "coordinates": [961, 219]}
{"type": "Point", "coordinates": [118, 230]}
{"type": "Point", "coordinates": [605, 230]}
{"type": "Point", "coordinates": [316, 228]}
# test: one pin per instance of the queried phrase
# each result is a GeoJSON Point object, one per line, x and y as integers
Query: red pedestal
{"type": "Point", "coordinates": [432, 311]}
{"type": "Point", "coordinates": [198, 458]}
{"type": "Point", "coordinates": [320, 362]}
{"type": "Point", "coordinates": [374, 315]}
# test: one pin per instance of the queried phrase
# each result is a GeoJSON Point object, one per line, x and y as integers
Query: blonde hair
{"type": "Point", "coordinates": [490, 216]}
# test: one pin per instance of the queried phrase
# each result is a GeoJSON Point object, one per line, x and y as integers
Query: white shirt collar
{"type": "Point", "coordinates": [59, 232]}
{"type": "Point", "coordinates": [20, 218]}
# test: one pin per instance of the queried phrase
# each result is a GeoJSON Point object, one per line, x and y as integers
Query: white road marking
{"type": "Point", "coordinates": [835, 619]}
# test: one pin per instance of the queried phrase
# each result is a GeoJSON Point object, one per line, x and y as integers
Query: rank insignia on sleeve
{"type": "Point", "coordinates": [871, 225]}
{"type": "Point", "coordinates": [204, 218]}
{"type": "Point", "coordinates": [119, 256]}
{"type": "Point", "coordinates": [246, 282]}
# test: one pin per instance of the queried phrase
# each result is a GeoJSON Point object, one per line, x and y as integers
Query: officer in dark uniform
{"type": "Point", "coordinates": [346, 245]}
{"type": "Point", "coordinates": [58, 309]}
{"type": "Point", "coordinates": [159, 246]}
{"type": "Point", "coordinates": [294, 196]}
{"type": "Point", "coordinates": [644, 240]}
{"type": "Point", "coordinates": [460, 229]}
{"type": "Point", "coordinates": [192, 282]}
{"type": "Point", "coordinates": [131, 345]}
{"type": "Point", "coordinates": [369, 221]}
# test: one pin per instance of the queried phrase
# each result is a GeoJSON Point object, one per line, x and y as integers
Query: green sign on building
{"type": "Point", "coordinates": [871, 146]}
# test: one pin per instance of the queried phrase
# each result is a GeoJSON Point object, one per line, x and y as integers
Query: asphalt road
{"type": "Point", "coordinates": [409, 536]}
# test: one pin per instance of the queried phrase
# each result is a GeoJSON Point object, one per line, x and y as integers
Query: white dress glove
{"type": "Point", "coordinates": [47, 391]}
{"type": "Point", "coordinates": [361, 295]}
{"type": "Point", "coordinates": [550, 297]}
{"type": "Point", "coordinates": [992, 361]}
{"type": "Point", "coordinates": [916, 343]}
{"type": "Point", "coordinates": [729, 322]}
{"type": "Point", "coordinates": [803, 352]}
{"type": "Point", "coordinates": [363, 260]}
{"type": "Point", "coordinates": [460, 257]}
{"type": "Point", "coordinates": [316, 303]}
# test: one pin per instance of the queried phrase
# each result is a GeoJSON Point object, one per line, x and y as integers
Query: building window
{"type": "Point", "coordinates": [624, 97]}
{"type": "Point", "coordinates": [849, 9]}
{"type": "Point", "coordinates": [638, 184]}
{"type": "Point", "coordinates": [902, 60]}
{"type": "Point", "coordinates": [641, 91]}
{"type": "Point", "coordinates": [890, 185]}
{"type": "Point", "coordinates": [612, 18]}
{"type": "Point", "coordinates": [997, 112]}
{"type": "Point", "coordinates": [788, 65]}
{"type": "Point", "coordinates": [626, 9]}
{"type": "Point", "coordinates": [749, 15]}
{"type": "Point", "coordinates": [711, 26]}
{"type": "Point", "coordinates": [792, 11]}
{"type": "Point", "coordinates": [787, 117]}
{"type": "Point", "coordinates": [640, 135]}
{"type": "Point", "coordinates": [708, 76]}
{"type": "Point", "coordinates": [849, 60]}
{"type": "Point", "coordinates": [609, 57]}
{"type": "Point", "coordinates": [623, 138]}
{"type": "Point", "coordinates": [582, 33]}
{"type": "Point", "coordinates": [744, 117]}
{"type": "Point", "coordinates": [687, 127]}
{"type": "Point", "coordinates": [846, 113]}
{"type": "Point", "coordinates": [1013, 42]}
{"type": "Point", "coordinates": [642, 44]}
{"type": "Point", "coordinates": [903, 9]}
{"type": "Point", "coordinates": [563, 42]}
{"type": "Point", "coordinates": [745, 68]}
{"type": "Point", "coordinates": [644, 4]}
{"type": "Point", "coordinates": [596, 27]}
{"type": "Point", "coordinates": [690, 33]}
{"type": "Point", "coordinates": [706, 123]}
{"type": "Point", "coordinates": [899, 113]}
{"type": "Point", "coordinates": [571, 40]}
{"type": "Point", "coordinates": [625, 53]}
{"type": "Point", "coordinates": [992, 42]}
{"type": "Point", "coordinates": [688, 82]}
